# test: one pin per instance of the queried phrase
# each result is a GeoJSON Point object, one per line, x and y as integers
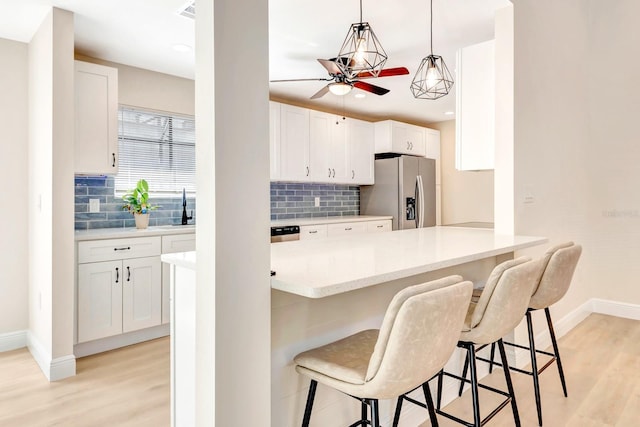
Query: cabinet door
{"type": "Point", "coordinates": [141, 293]}
{"type": "Point", "coordinates": [475, 107]}
{"type": "Point", "coordinates": [319, 143]}
{"type": "Point", "coordinates": [96, 119]}
{"type": "Point", "coordinates": [339, 150]}
{"type": "Point", "coordinates": [415, 137]}
{"type": "Point", "coordinates": [360, 137]}
{"type": "Point", "coordinates": [99, 300]}
{"type": "Point", "coordinates": [274, 140]}
{"type": "Point", "coordinates": [400, 139]}
{"type": "Point", "coordinates": [294, 143]}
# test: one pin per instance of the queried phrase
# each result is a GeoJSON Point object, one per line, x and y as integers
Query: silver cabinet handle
{"type": "Point", "coordinates": [307, 170]}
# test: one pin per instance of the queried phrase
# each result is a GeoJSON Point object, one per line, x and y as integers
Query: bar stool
{"type": "Point", "coordinates": [559, 264]}
{"type": "Point", "coordinates": [499, 309]}
{"type": "Point", "coordinates": [417, 337]}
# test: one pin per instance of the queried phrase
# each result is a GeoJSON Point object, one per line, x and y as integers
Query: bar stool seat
{"type": "Point", "coordinates": [417, 337]}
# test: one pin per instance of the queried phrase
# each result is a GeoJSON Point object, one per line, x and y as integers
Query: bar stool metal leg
{"type": "Point", "coordinates": [493, 353]}
{"type": "Point", "coordinates": [309, 406]}
{"type": "Point", "coordinates": [429, 399]}
{"type": "Point", "coordinates": [375, 414]}
{"type": "Point", "coordinates": [534, 366]}
{"type": "Point", "coordinates": [396, 417]}
{"type": "Point", "coordinates": [363, 413]}
{"type": "Point", "coordinates": [556, 351]}
{"type": "Point", "coordinates": [439, 397]}
{"type": "Point", "coordinates": [464, 374]}
{"type": "Point", "coordinates": [507, 377]}
{"type": "Point", "coordinates": [473, 373]}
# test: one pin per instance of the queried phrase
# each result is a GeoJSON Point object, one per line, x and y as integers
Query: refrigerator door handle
{"type": "Point", "coordinates": [417, 199]}
{"type": "Point", "coordinates": [421, 203]}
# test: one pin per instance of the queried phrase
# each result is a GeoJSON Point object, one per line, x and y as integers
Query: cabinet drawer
{"type": "Point", "coordinates": [347, 228]}
{"type": "Point", "coordinates": [378, 226]}
{"type": "Point", "coordinates": [308, 232]}
{"type": "Point", "coordinates": [114, 249]}
{"type": "Point", "coordinates": [178, 243]}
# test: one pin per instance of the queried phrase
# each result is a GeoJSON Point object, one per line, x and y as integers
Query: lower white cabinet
{"type": "Point", "coordinates": [378, 226]}
{"type": "Point", "coordinates": [321, 231]}
{"type": "Point", "coordinates": [115, 297]}
{"type": "Point", "coordinates": [310, 232]}
{"type": "Point", "coordinates": [346, 228]}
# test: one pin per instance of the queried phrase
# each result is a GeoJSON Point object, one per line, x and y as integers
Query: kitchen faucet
{"type": "Point", "coordinates": [185, 218]}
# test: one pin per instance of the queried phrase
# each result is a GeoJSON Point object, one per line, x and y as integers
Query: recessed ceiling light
{"type": "Point", "coordinates": [182, 47]}
{"type": "Point", "coordinates": [360, 95]}
{"type": "Point", "coordinates": [449, 113]}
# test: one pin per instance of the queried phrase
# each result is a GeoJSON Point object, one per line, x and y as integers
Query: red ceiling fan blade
{"type": "Point", "coordinates": [331, 66]}
{"type": "Point", "coordinates": [322, 92]}
{"type": "Point", "coordinates": [370, 88]}
{"type": "Point", "coordinates": [387, 72]}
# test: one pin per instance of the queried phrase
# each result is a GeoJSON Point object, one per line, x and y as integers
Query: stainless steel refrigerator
{"type": "Point", "coordinates": [405, 188]}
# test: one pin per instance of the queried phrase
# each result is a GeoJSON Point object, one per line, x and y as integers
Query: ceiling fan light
{"type": "Point", "coordinates": [432, 80]}
{"type": "Point", "coordinates": [340, 88]}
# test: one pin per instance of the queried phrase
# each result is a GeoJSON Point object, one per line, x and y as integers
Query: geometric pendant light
{"type": "Point", "coordinates": [433, 79]}
{"type": "Point", "coordinates": [361, 51]}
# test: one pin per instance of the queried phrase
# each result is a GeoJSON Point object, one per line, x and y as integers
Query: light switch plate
{"type": "Point", "coordinates": [317, 202]}
{"type": "Point", "coordinates": [94, 205]}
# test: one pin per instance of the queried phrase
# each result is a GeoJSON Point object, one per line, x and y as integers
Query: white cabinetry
{"type": "Point", "coordinates": [360, 140]}
{"type": "Point", "coordinates": [313, 146]}
{"type": "Point", "coordinates": [172, 244]}
{"type": "Point", "coordinates": [475, 107]}
{"type": "Point", "coordinates": [294, 143]}
{"type": "Point", "coordinates": [378, 226]}
{"type": "Point", "coordinates": [398, 137]}
{"type": "Point", "coordinates": [96, 119]}
{"type": "Point", "coordinates": [119, 286]}
{"type": "Point", "coordinates": [321, 231]}
{"type": "Point", "coordinates": [346, 228]}
{"type": "Point", "coordinates": [432, 138]}
{"type": "Point", "coordinates": [311, 232]}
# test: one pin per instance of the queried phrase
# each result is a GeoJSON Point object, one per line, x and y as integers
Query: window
{"type": "Point", "coordinates": [157, 147]}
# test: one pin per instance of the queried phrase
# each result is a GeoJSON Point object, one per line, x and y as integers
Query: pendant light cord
{"type": "Point", "coordinates": [361, 11]}
{"type": "Point", "coordinates": [430, 26]}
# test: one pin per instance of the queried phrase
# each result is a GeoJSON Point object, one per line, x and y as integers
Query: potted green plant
{"type": "Point", "coordinates": [137, 202]}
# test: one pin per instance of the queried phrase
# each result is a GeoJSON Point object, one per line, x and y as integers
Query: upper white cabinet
{"type": "Point", "coordinates": [294, 143]}
{"type": "Point", "coordinates": [360, 140]}
{"type": "Point", "coordinates": [398, 137]}
{"type": "Point", "coordinates": [274, 140]}
{"type": "Point", "coordinates": [313, 146]}
{"type": "Point", "coordinates": [96, 119]}
{"type": "Point", "coordinates": [475, 107]}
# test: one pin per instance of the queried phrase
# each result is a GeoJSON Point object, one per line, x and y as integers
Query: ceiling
{"type": "Point", "coordinates": [143, 33]}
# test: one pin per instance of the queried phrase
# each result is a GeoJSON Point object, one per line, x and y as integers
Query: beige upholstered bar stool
{"type": "Point", "coordinates": [559, 264]}
{"type": "Point", "coordinates": [417, 337]}
{"type": "Point", "coordinates": [499, 310]}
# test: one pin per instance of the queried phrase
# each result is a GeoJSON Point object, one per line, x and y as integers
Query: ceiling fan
{"type": "Point", "coordinates": [341, 83]}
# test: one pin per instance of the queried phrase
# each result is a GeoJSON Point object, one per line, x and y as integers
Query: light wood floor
{"type": "Point", "coordinates": [130, 386]}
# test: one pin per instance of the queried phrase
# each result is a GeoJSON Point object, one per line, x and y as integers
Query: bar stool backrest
{"type": "Point", "coordinates": [418, 335]}
{"type": "Point", "coordinates": [500, 310]}
{"type": "Point", "coordinates": [559, 265]}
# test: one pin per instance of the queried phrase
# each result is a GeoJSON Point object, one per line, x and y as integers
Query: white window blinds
{"type": "Point", "coordinates": [158, 147]}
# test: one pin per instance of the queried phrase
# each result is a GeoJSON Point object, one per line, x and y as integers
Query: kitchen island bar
{"type": "Point", "coordinates": [327, 289]}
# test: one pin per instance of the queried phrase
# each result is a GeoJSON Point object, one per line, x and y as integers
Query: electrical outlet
{"type": "Point", "coordinates": [94, 205]}
{"type": "Point", "coordinates": [317, 202]}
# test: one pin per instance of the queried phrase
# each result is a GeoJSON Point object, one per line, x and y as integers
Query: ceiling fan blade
{"type": "Point", "coordinates": [387, 72]}
{"type": "Point", "coordinates": [300, 80]}
{"type": "Point", "coordinates": [331, 66]}
{"type": "Point", "coordinates": [322, 92]}
{"type": "Point", "coordinates": [370, 88]}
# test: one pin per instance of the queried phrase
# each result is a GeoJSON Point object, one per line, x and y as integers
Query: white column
{"type": "Point", "coordinates": [233, 287]}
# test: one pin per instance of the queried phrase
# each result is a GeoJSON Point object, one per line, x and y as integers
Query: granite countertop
{"type": "Point", "coordinates": [117, 233]}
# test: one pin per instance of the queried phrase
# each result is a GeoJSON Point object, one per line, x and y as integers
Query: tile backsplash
{"type": "Point", "coordinates": [289, 200]}
{"type": "Point", "coordinates": [111, 214]}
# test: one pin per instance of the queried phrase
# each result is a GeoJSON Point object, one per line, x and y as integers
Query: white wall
{"type": "Point", "coordinates": [149, 89]}
{"type": "Point", "coordinates": [466, 196]}
{"type": "Point", "coordinates": [13, 175]}
{"type": "Point", "coordinates": [50, 195]}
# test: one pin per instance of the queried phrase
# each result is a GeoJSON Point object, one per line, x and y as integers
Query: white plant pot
{"type": "Point", "coordinates": [142, 220]}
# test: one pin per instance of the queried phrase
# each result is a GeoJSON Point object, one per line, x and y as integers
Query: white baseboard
{"type": "Point", "coordinates": [13, 340]}
{"type": "Point", "coordinates": [614, 308]}
{"type": "Point", "coordinates": [54, 369]}
{"type": "Point", "coordinates": [117, 341]}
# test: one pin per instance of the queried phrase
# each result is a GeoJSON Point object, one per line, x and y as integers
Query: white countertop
{"type": "Point", "coordinates": [327, 220]}
{"type": "Point", "coordinates": [117, 233]}
{"type": "Point", "coordinates": [324, 267]}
